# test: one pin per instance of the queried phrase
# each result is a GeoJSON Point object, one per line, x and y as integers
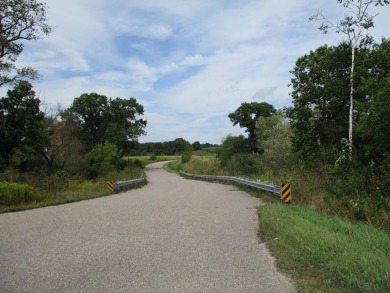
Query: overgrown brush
{"type": "Point", "coordinates": [57, 188]}
{"type": "Point", "coordinates": [13, 193]}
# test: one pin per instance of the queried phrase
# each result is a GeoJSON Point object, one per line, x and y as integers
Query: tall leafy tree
{"type": "Point", "coordinates": [273, 137]}
{"type": "Point", "coordinates": [357, 20]}
{"type": "Point", "coordinates": [101, 120]}
{"type": "Point", "coordinates": [319, 116]}
{"type": "Point", "coordinates": [65, 148]}
{"type": "Point", "coordinates": [247, 115]}
{"type": "Point", "coordinates": [373, 126]}
{"type": "Point", "coordinates": [21, 123]}
{"type": "Point", "coordinates": [20, 20]}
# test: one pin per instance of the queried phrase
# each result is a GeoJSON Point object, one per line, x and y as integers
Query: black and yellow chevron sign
{"type": "Point", "coordinates": [110, 186]}
{"type": "Point", "coordinates": [286, 193]}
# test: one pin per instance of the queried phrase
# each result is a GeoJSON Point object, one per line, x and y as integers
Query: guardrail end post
{"type": "Point", "coordinates": [110, 186]}
{"type": "Point", "coordinates": [285, 193]}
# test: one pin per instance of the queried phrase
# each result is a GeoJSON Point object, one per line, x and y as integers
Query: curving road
{"type": "Point", "coordinates": [173, 235]}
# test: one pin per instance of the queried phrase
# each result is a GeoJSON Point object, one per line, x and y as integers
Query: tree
{"type": "Point", "coordinates": [356, 21]}
{"type": "Point", "coordinates": [246, 116]}
{"type": "Point", "coordinates": [21, 123]}
{"type": "Point", "coordinates": [319, 116]}
{"type": "Point", "coordinates": [20, 20]}
{"type": "Point", "coordinates": [196, 146]}
{"type": "Point", "coordinates": [372, 125]}
{"type": "Point", "coordinates": [274, 138]}
{"type": "Point", "coordinates": [233, 145]}
{"type": "Point", "coordinates": [179, 145]}
{"type": "Point", "coordinates": [65, 149]}
{"type": "Point", "coordinates": [103, 159]}
{"type": "Point", "coordinates": [101, 120]}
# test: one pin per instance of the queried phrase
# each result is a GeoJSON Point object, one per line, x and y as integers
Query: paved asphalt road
{"type": "Point", "coordinates": [173, 235]}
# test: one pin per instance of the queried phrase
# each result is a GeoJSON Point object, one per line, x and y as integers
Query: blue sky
{"type": "Point", "coordinates": [190, 63]}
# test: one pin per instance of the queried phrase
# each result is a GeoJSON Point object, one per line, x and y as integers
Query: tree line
{"type": "Point", "coordinates": [174, 147]}
{"type": "Point", "coordinates": [311, 136]}
{"type": "Point", "coordinates": [71, 139]}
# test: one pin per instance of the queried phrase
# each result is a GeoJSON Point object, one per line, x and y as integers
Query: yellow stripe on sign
{"type": "Point", "coordinates": [286, 193]}
{"type": "Point", "coordinates": [110, 186]}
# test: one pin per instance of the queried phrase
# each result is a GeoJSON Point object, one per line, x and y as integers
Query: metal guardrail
{"type": "Point", "coordinates": [256, 184]}
{"type": "Point", "coordinates": [115, 186]}
{"type": "Point", "coordinates": [119, 184]}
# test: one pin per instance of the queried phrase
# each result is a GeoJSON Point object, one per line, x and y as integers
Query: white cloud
{"type": "Point", "coordinates": [189, 63]}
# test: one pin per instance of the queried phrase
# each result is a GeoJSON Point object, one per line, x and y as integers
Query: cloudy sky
{"type": "Point", "coordinates": [190, 62]}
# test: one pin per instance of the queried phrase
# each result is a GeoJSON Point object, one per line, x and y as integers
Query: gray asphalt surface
{"type": "Point", "coordinates": [173, 235]}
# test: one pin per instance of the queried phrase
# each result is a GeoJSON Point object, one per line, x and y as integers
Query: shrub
{"type": "Point", "coordinates": [186, 156]}
{"type": "Point", "coordinates": [12, 193]}
{"type": "Point", "coordinates": [103, 159]}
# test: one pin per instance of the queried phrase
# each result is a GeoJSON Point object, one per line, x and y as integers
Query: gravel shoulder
{"type": "Point", "coordinates": [172, 235]}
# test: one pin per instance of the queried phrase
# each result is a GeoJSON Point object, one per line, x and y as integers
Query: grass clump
{"type": "Point", "coordinates": [327, 254]}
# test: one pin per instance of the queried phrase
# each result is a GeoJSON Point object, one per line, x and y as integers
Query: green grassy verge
{"type": "Point", "coordinates": [324, 253]}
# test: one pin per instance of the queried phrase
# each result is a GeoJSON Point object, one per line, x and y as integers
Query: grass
{"type": "Point", "coordinates": [71, 192]}
{"type": "Point", "coordinates": [325, 253]}
{"type": "Point", "coordinates": [56, 190]}
{"type": "Point", "coordinates": [145, 160]}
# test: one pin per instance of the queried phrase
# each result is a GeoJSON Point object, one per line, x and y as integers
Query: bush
{"type": "Point", "coordinates": [243, 164]}
{"type": "Point", "coordinates": [12, 193]}
{"type": "Point", "coordinates": [138, 163]}
{"type": "Point", "coordinates": [186, 156]}
{"type": "Point", "coordinates": [102, 160]}
{"type": "Point", "coordinates": [231, 146]}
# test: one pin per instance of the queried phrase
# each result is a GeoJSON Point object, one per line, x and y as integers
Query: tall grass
{"type": "Point", "coordinates": [54, 189]}
{"type": "Point", "coordinates": [13, 193]}
{"type": "Point", "coordinates": [208, 165]}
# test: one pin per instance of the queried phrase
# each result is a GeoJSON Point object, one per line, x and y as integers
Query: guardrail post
{"type": "Point", "coordinates": [110, 186]}
{"type": "Point", "coordinates": [285, 195]}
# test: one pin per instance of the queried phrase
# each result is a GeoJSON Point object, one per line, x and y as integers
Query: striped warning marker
{"type": "Point", "coordinates": [286, 193]}
{"type": "Point", "coordinates": [110, 186]}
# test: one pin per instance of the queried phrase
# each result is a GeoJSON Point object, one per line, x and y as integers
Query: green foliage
{"type": "Point", "coordinates": [326, 254]}
{"type": "Point", "coordinates": [21, 125]}
{"type": "Point", "coordinates": [319, 117]}
{"type": "Point", "coordinates": [196, 146]}
{"type": "Point", "coordinates": [19, 21]}
{"type": "Point", "coordinates": [274, 140]}
{"type": "Point", "coordinates": [186, 156]}
{"type": "Point", "coordinates": [247, 115]}
{"type": "Point", "coordinates": [243, 164]}
{"type": "Point", "coordinates": [65, 150]}
{"type": "Point", "coordinates": [232, 145]}
{"type": "Point", "coordinates": [12, 193]}
{"type": "Point", "coordinates": [103, 159]}
{"type": "Point", "coordinates": [101, 120]}
{"type": "Point", "coordinates": [208, 165]}
{"type": "Point", "coordinates": [374, 126]}
{"type": "Point", "coordinates": [167, 148]}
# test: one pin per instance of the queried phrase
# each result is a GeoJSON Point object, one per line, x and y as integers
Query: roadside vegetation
{"type": "Point", "coordinates": [325, 253]}
{"type": "Point", "coordinates": [334, 237]}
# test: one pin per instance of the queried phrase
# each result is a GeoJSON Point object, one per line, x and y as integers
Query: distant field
{"type": "Point", "coordinates": [145, 160]}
